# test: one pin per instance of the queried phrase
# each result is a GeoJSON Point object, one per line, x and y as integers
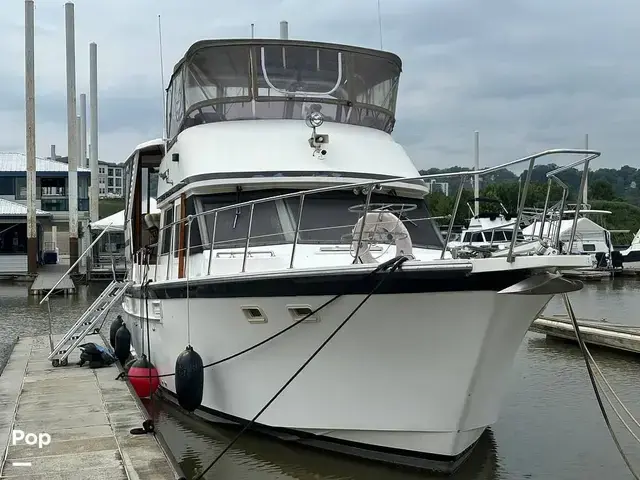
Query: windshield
{"type": "Point", "coordinates": [286, 80]}
{"type": "Point", "coordinates": [327, 218]}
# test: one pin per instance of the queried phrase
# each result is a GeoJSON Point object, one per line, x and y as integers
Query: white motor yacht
{"type": "Point", "coordinates": [280, 189]}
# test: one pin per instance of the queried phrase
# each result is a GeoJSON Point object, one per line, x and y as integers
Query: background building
{"type": "Point", "coordinates": [52, 180]}
{"type": "Point", "coordinates": [110, 178]}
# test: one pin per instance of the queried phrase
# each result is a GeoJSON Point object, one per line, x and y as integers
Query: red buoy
{"type": "Point", "coordinates": [144, 377]}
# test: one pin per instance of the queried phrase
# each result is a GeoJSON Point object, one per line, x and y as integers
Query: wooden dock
{"type": "Point", "coordinates": [48, 276]}
{"type": "Point", "coordinates": [87, 414]}
{"type": "Point", "coordinates": [594, 332]}
{"type": "Point", "coordinates": [588, 275]}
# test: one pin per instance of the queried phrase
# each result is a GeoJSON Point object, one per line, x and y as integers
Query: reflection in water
{"type": "Point", "coordinates": [549, 427]}
{"type": "Point", "coordinates": [195, 444]}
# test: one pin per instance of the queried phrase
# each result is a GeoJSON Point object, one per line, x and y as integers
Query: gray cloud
{"type": "Point", "coordinates": [528, 75]}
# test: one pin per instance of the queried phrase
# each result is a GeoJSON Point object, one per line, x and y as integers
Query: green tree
{"type": "Point", "coordinates": [601, 190]}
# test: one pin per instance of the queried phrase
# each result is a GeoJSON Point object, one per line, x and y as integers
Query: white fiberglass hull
{"type": "Point", "coordinates": [410, 375]}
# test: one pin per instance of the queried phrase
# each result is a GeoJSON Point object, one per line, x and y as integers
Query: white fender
{"type": "Point", "coordinates": [380, 227]}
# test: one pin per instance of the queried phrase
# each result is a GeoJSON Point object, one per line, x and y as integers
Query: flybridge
{"type": "Point", "coordinates": [254, 79]}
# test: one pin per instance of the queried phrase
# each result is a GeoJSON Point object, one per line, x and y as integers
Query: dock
{"type": "Point", "coordinates": [588, 275]}
{"type": "Point", "coordinates": [594, 332]}
{"type": "Point", "coordinates": [74, 422]}
{"type": "Point", "coordinates": [48, 276]}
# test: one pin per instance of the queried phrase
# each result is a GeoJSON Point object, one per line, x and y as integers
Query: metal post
{"type": "Point", "coordinates": [556, 241]}
{"type": "Point", "coordinates": [84, 161]}
{"type": "Point", "coordinates": [544, 211]}
{"type": "Point", "coordinates": [463, 179]}
{"type": "Point", "coordinates": [284, 30]}
{"type": "Point", "coordinates": [79, 137]}
{"type": "Point", "coordinates": [523, 200]}
{"type": "Point", "coordinates": [586, 181]}
{"type": "Point", "coordinates": [252, 30]}
{"type": "Point", "coordinates": [72, 141]}
{"type": "Point", "coordinates": [297, 233]}
{"type": "Point", "coordinates": [583, 182]}
{"type": "Point", "coordinates": [246, 246]}
{"type": "Point", "coordinates": [53, 148]}
{"type": "Point", "coordinates": [476, 178]}
{"type": "Point", "coordinates": [30, 133]}
{"type": "Point", "coordinates": [93, 132]}
{"type": "Point", "coordinates": [364, 220]}
{"type": "Point", "coordinates": [213, 237]}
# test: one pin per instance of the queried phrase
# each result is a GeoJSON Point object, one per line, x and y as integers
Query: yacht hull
{"type": "Point", "coordinates": [412, 378]}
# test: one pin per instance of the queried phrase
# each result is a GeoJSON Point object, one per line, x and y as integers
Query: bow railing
{"type": "Point", "coordinates": [367, 189]}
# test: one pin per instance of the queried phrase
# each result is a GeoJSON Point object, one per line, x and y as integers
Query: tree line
{"type": "Point", "coordinates": [615, 190]}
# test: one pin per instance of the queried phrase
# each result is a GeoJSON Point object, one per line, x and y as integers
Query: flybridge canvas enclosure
{"type": "Point", "coordinates": [221, 80]}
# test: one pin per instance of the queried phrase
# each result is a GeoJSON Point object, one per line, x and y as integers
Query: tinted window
{"type": "Point", "coordinates": [166, 232]}
{"type": "Point", "coordinates": [232, 225]}
{"type": "Point", "coordinates": [196, 240]}
{"type": "Point", "coordinates": [326, 218]}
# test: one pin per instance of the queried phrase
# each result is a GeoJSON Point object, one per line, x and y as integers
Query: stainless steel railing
{"type": "Point", "coordinates": [367, 189]}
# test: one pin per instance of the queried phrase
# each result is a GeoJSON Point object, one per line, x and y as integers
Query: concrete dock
{"type": "Point", "coordinates": [87, 415]}
{"type": "Point", "coordinates": [594, 332]}
{"type": "Point", "coordinates": [48, 276]}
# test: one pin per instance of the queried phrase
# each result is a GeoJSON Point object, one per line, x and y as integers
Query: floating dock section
{"type": "Point", "coordinates": [588, 275]}
{"type": "Point", "coordinates": [48, 276]}
{"type": "Point", "coordinates": [594, 332]}
{"type": "Point", "coordinates": [73, 422]}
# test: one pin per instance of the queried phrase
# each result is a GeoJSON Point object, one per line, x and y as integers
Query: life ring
{"type": "Point", "coordinates": [380, 227]}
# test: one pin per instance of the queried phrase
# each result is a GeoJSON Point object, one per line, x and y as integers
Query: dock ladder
{"type": "Point", "coordinates": [88, 323]}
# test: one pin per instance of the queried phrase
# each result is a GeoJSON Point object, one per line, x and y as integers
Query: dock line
{"type": "Point", "coordinates": [586, 354]}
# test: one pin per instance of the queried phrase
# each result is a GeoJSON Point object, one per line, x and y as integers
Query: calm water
{"type": "Point", "coordinates": [550, 426]}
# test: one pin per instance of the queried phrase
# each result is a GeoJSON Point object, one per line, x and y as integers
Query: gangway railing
{"type": "Point", "coordinates": [46, 297]}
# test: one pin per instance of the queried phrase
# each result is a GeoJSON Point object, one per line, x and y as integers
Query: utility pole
{"type": "Point", "coordinates": [476, 166]}
{"type": "Point", "coordinates": [72, 140]}
{"type": "Point", "coordinates": [93, 153]}
{"type": "Point", "coordinates": [30, 109]}
{"type": "Point", "coordinates": [83, 162]}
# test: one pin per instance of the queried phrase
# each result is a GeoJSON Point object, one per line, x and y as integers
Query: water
{"type": "Point", "coordinates": [549, 428]}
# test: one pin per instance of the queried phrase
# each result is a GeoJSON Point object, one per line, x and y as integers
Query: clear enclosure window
{"type": "Point", "coordinates": [218, 83]}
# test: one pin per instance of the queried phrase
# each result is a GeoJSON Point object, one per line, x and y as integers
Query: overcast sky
{"type": "Point", "coordinates": [529, 75]}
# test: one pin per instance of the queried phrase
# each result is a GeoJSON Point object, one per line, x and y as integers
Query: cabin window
{"type": "Point", "coordinates": [232, 224]}
{"type": "Point", "coordinates": [322, 213]}
{"type": "Point", "coordinates": [326, 219]}
{"type": "Point", "coordinates": [166, 232]}
{"type": "Point", "coordinates": [176, 229]}
{"type": "Point", "coordinates": [195, 241]}
{"type": "Point", "coordinates": [588, 247]}
{"type": "Point", "coordinates": [473, 237]}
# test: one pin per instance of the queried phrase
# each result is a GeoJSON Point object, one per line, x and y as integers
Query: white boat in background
{"type": "Point", "coordinates": [280, 189]}
{"type": "Point", "coordinates": [488, 229]}
{"type": "Point", "coordinates": [630, 256]}
{"type": "Point", "coordinates": [590, 238]}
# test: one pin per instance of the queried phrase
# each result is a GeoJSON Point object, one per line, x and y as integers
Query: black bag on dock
{"type": "Point", "coordinates": [95, 355]}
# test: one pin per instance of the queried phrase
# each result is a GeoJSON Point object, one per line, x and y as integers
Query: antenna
{"type": "Point", "coordinates": [252, 30]}
{"type": "Point", "coordinates": [164, 100]}
{"type": "Point", "coordinates": [380, 24]}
